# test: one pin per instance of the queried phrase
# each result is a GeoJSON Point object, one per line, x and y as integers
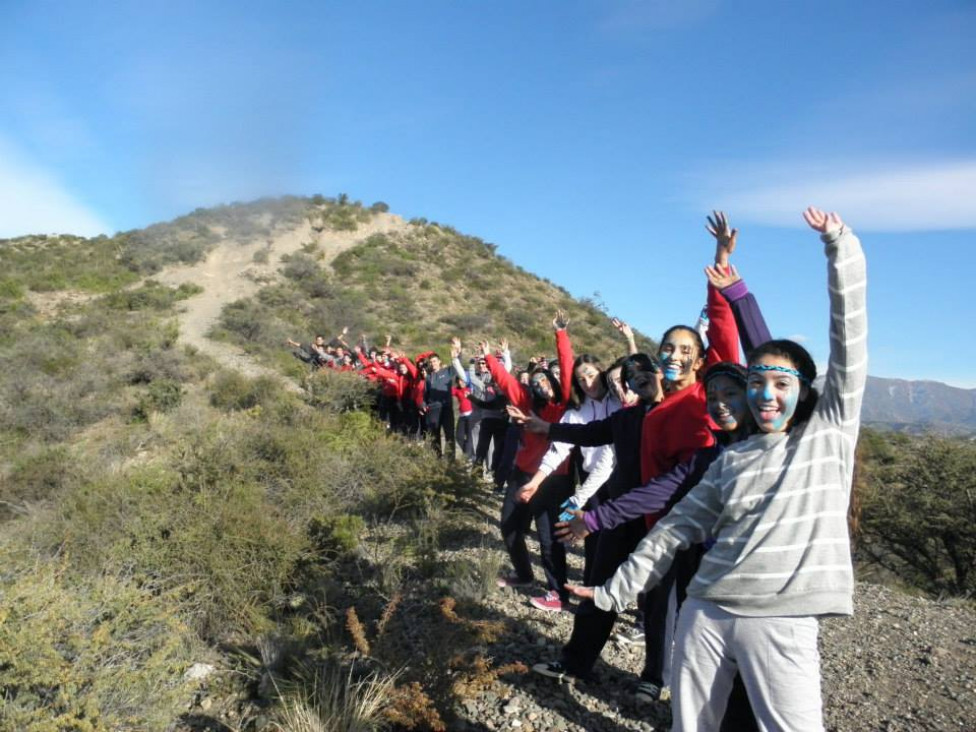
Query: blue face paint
{"type": "Point", "coordinates": [773, 406]}
{"type": "Point", "coordinates": [726, 401]}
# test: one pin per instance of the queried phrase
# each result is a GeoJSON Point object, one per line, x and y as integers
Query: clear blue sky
{"type": "Point", "coordinates": [586, 139]}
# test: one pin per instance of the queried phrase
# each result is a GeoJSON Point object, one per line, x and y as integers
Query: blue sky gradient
{"type": "Point", "coordinates": [588, 140]}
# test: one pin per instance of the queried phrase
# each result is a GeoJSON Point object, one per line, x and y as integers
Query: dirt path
{"type": "Point", "coordinates": [230, 273]}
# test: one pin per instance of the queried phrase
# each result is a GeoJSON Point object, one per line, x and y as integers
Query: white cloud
{"type": "Point", "coordinates": [879, 196]}
{"type": "Point", "coordinates": [34, 201]}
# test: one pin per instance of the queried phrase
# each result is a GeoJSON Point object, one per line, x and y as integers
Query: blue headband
{"type": "Point", "coordinates": [755, 368]}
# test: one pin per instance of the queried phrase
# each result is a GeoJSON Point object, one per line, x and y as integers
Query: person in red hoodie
{"type": "Point", "coordinates": [545, 396]}
{"type": "Point", "coordinates": [679, 426]}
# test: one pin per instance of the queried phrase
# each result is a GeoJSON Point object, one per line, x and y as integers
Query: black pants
{"type": "Point", "coordinates": [506, 461]}
{"type": "Point", "coordinates": [591, 625]}
{"type": "Point", "coordinates": [440, 422]}
{"type": "Point", "coordinates": [492, 429]}
{"type": "Point", "coordinates": [544, 510]}
{"type": "Point", "coordinates": [464, 437]}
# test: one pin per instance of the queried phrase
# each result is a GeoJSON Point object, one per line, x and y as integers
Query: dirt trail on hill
{"type": "Point", "coordinates": [230, 273]}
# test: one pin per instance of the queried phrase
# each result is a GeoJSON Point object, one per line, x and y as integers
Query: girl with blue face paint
{"type": "Point", "coordinates": [776, 505]}
{"type": "Point", "coordinates": [775, 388]}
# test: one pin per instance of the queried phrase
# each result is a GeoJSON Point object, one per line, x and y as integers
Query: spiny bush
{"type": "Point", "coordinates": [224, 546]}
{"type": "Point", "coordinates": [232, 391]}
{"type": "Point", "coordinates": [339, 392]}
{"type": "Point", "coordinates": [335, 535]}
{"type": "Point", "coordinates": [98, 654]}
{"type": "Point", "coordinates": [151, 295]}
{"type": "Point", "coordinates": [334, 701]}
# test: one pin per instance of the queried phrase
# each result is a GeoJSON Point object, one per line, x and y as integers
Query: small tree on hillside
{"type": "Point", "coordinates": [919, 516]}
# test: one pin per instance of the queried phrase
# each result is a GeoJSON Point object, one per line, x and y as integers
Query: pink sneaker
{"type": "Point", "coordinates": [549, 602]}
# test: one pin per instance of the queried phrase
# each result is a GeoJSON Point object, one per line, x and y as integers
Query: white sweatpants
{"type": "Point", "coordinates": [776, 656]}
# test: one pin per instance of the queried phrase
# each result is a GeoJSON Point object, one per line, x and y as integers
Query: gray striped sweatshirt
{"type": "Point", "coordinates": [776, 504]}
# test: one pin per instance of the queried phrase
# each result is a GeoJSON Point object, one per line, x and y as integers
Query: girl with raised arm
{"type": "Point", "coordinates": [547, 397]}
{"type": "Point", "coordinates": [776, 506]}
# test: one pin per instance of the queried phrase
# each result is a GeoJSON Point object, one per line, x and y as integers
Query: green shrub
{"type": "Point", "coordinates": [336, 534]}
{"type": "Point", "coordinates": [162, 395]}
{"type": "Point", "coordinates": [151, 295]}
{"type": "Point", "coordinates": [918, 512]}
{"type": "Point", "coordinates": [232, 391]}
{"type": "Point", "coordinates": [39, 473]}
{"type": "Point", "coordinates": [98, 655]}
{"type": "Point", "coordinates": [339, 391]}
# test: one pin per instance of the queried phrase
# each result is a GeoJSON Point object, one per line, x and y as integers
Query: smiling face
{"type": "Point", "coordinates": [646, 385]}
{"type": "Point", "coordinates": [588, 378]}
{"type": "Point", "coordinates": [680, 359]}
{"type": "Point", "coordinates": [539, 383]}
{"type": "Point", "coordinates": [773, 391]}
{"type": "Point", "coordinates": [435, 363]}
{"type": "Point", "coordinates": [725, 399]}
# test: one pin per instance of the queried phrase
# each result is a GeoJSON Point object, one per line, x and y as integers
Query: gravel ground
{"type": "Point", "coordinates": [900, 663]}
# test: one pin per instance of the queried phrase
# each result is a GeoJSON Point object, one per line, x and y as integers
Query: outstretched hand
{"type": "Point", "coordinates": [822, 221]}
{"type": "Point", "coordinates": [625, 330]}
{"type": "Point", "coordinates": [573, 530]}
{"type": "Point", "coordinates": [561, 321]}
{"type": "Point", "coordinates": [484, 348]}
{"type": "Point", "coordinates": [725, 237]}
{"type": "Point", "coordinates": [585, 593]}
{"type": "Point", "coordinates": [503, 345]}
{"type": "Point", "coordinates": [530, 422]}
{"type": "Point", "coordinates": [720, 279]}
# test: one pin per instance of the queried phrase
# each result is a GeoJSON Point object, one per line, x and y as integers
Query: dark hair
{"type": "Point", "coordinates": [726, 368]}
{"type": "Point", "coordinates": [557, 391]}
{"type": "Point", "coordinates": [803, 362]}
{"type": "Point", "coordinates": [636, 362]}
{"type": "Point", "coordinates": [577, 395]}
{"type": "Point", "coordinates": [695, 334]}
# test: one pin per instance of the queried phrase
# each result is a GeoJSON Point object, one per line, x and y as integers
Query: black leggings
{"type": "Point", "coordinates": [544, 510]}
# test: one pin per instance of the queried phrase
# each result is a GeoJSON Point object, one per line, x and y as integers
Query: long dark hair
{"type": "Point", "coordinates": [557, 390]}
{"type": "Point", "coordinates": [803, 362]}
{"type": "Point", "coordinates": [577, 395]}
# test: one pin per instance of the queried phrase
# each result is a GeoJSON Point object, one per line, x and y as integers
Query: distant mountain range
{"type": "Point", "coordinates": [919, 406]}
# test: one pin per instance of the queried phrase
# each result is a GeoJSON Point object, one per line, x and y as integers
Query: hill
{"type": "Point", "coordinates": [919, 406]}
{"type": "Point", "coordinates": [194, 538]}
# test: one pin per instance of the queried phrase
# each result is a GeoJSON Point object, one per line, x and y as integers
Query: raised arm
{"type": "Point", "coordinates": [565, 351]}
{"type": "Point", "coordinates": [753, 330]}
{"type": "Point", "coordinates": [723, 335]}
{"type": "Point", "coordinates": [627, 332]}
{"type": "Point", "coordinates": [847, 367]}
{"type": "Point", "coordinates": [456, 361]}
{"type": "Point", "coordinates": [411, 367]}
{"type": "Point", "coordinates": [506, 382]}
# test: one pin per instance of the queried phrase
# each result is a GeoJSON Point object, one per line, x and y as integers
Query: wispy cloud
{"type": "Point", "coordinates": [34, 201]}
{"type": "Point", "coordinates": [880, 196]}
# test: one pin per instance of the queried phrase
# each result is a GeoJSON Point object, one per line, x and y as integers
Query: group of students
{"type": "Point", "coordinates": [703, 486]}
{"type": "Point", "coordinates": [416, 396]}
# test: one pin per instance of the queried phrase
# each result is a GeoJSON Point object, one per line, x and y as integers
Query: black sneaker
{"type": "Point", "coordinates": [555, 670]}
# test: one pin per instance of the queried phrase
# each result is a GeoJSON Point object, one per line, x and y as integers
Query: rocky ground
{"type": "Point", "coordinates": [900, 663]}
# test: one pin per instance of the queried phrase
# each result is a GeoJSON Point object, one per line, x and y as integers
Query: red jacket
{"type": "Point", "coordinates": [532, 447]}
{"type": "Point", "coordinates": [680, 424]}
{"type": "Point", "coordinates": [464, 404]}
